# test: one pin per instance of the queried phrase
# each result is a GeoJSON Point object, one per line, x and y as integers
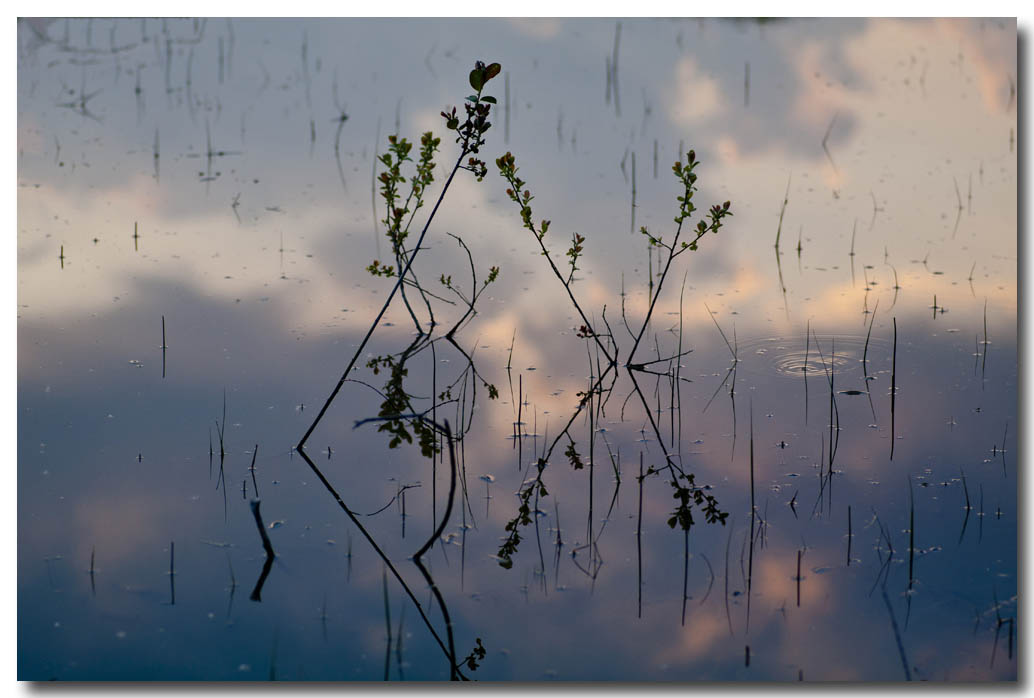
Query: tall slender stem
{"type": "Point", "coordinates": [384, 308]}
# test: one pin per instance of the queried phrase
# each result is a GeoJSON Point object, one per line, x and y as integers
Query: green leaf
{"type": "Point", "coordinates": [489, 99]}
{"type": "Point", "coordinates": [492, 70]}
{"type": "Point", "coordinates": [477, 79]}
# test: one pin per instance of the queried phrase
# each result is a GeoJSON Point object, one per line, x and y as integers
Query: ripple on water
{"type": "Point", "coordinates": [792, 356]}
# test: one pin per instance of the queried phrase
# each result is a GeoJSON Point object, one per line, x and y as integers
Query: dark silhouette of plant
{"type": "Point", "coordinates": [401, 212]}
{"type": "Point", "coordinates": [523, 518]}
{"type": "Point", "coordinates": [404, 187]}
{"type": "Point", "coordinates": [396, 410]}
{"type": "Point", "coordinates": [396, 403]}
{"type": "Point", "coordinates": [476, 655]}
{"type": "Point", "coordinates": [684, 487]}
{"type": "Point", "coordinates": [716, 213]}
{"type": "Point", "coordinates": [521, 195]}
{"type": "Point", "coordinates": [401, 209]}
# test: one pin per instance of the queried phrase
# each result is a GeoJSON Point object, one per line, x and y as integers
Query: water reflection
{"type": "Point", "coordinates": [197, 207]}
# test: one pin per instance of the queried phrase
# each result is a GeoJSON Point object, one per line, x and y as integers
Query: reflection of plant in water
{"type": "Point", "coordinates": [476, 655]}
{"type": "Point", "coordinates": [683, 483]}
{"type": "Point", "coordinates": [683, 515]}
{"type": "Point", "coordinates": [537, 488]}
{"type": "Point", "coordinates": [398, 410]}
{"type": "Point", "coordinates": [573, 457]}
{"type": "Point", "coordinates": [398, 414]}
{"type": "Point", "coordinates": [397, 403]}
{"type": "Point", "coordinates": [400, 212]}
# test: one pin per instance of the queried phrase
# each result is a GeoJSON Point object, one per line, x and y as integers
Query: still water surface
{"type": "Point", "coordinates": [213, 179]}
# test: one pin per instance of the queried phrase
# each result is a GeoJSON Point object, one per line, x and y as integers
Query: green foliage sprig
{"type": "Point", "coordinates": [378, 269]}
{"type": "Point", "coordinates": [395, 223]}
{"type": "Point", "coordinates": [507, 165]}
{"type": "Point", "coordinates": [574, 252]}
{"type": "Point", "coordinates": [688, 178]}
{"type": "Point", "coordinates": [401, 210]}
{"type": "Point", "coordinates": [520, 194]}
{"type": "Point", "coordinates": [471, 132]}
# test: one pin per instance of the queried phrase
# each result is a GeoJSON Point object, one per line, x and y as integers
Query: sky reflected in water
{"type": "Point", "coordinates": [217, 176]}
